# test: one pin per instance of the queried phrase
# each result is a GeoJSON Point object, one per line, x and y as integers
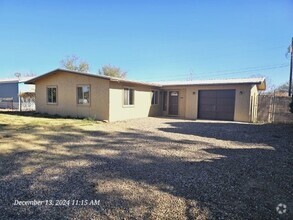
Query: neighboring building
{"type": "Point", "coordinates": [76, 94]}
{"type": "Point", "coordinates": [9, 93]}
{"type": "Point", "coordinates": [10, 90]}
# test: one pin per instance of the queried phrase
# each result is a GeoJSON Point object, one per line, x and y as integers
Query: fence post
{"type": "Point", "coordinates": [270, 109]}
{"type": "Point", "coordinates": [274, 106]}
{"type": "Point", "coordinates": [19, 104]}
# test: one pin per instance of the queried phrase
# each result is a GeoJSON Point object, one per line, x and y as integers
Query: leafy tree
{"type": "Point", "coordinates": [75, 64]}
{"type": "Point", "coordinates": [113, 71]}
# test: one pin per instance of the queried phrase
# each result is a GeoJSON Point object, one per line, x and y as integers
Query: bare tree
{"type": "Point", "coordinates": [283, 87]}
{"type": "Point", "coordinates": [113, 71]}
{"type": "Point", "coordinates": [74, 63]}
{"type": "Point", "coordinates": [270, 86]}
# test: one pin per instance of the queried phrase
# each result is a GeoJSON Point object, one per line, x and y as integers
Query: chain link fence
{"type": "Point", "coordinates": [8, 104]}
{"type": "Point", "coordinates": [26, 102]}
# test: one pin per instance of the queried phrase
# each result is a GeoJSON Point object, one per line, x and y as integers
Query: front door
{"type": "Point", "coordinates": [173, 102]}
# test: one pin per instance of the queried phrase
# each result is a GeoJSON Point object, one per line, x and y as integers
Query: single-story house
{"type": "Point", "coordinates": [10, 90]}
{"type": "Point", "coordinates": [77, 94]}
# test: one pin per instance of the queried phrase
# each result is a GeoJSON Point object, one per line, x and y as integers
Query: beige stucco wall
{"type": "Point", "coordinates": [142, 102]}
{"type": "Point", "coordinates": [67, 96]}
{"type": "Point", "coordinates": [190, 99]}
{"type": "Point", "coordinates": [253, 103]}
{"type": "Point", "coordinates": [106, 99]}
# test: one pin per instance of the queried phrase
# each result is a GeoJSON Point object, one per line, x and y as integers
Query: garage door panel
{"type": "Point", "coordinates": [216, 104]}
{"type": "Point", "coordinates": [208, 101]}
{"type": "Point", "coordinates": [208, 108]}
{"type": "Point", "coordinates": [226, 93]}
{"type": "Point", "coordinates": [209, 115]}
{"type": "Point", "coordinates": [223, 116]}
{"type": "Point", "coordinates": [224, 101]}
{"type": "Point", "coordinates": [225, 108]}
{"type": "Point", "coordinates": [208, 93]}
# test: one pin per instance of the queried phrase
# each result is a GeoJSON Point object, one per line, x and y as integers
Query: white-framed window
{"type": "Point", "coordinates": [128, 98]}
{"type": "Point", "coordinates": [52, 94]}
{"type": "Point", "coordinates": [83, 94]}
{"type": "Point", "coordinates": [155, 97]}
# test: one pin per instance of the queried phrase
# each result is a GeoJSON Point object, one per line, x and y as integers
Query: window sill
{"type": "Point", "coordinates": [85, 105]}
{"type": "Point", "coordinates": [51, 103]}
{"type": "Point", "coordinates": [128, 106]}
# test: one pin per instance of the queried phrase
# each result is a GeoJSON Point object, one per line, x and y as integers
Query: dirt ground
{"type": "Point", "coordinates": [152, 168]}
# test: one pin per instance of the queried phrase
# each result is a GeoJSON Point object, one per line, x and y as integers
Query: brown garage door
{"type": "Point", "coordinates": [216, 104]}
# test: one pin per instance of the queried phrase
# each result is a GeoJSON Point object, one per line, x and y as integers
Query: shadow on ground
{"type": "Point", "coordinates": [133, 172]}
{"type": "Point", "coordinates": [36, 114]}
{"type": "Point", "coordinates": [272, 134]}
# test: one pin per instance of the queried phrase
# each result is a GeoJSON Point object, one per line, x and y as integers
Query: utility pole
{"type": "Point", "coordinates": [290, 79]}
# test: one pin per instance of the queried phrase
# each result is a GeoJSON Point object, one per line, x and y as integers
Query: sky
{"type": "Point", "coordinates": [151, 40]}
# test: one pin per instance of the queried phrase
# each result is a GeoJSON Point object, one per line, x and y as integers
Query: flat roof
{"type": "Point", "coordinates": [214, 81]}
{"type": "Point", "coordinates": [8, 80]}
{"type": "Point", "coordinates": [15, 80]}
{"type": "Point", "coordinates": [258, 81]}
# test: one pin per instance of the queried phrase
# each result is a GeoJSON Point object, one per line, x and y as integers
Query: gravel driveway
{"type": "Point", "coordinates": [153, 168]}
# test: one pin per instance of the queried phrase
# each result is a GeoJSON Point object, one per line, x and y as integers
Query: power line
{"type": "Point", "coordinates": [231, 73]}
{"type": "Point", "coordinates": [247, 69]}
{"type": "Point", "coordinates": [257, 69]}
{"type": "Point", "coordinates": [291, 63]}
{"type": "Point", "coordinates": [167, 58]}
{"type": "Point", "coordinates": [225, 72]}
{"type": "Point", "coordinates": [215, 75]}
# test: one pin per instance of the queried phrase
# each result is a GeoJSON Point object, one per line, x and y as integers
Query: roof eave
{"type": "Point", "coordinates": [9, 81]}
{"type": "Point", "coordinates": [32, 81]}
{"type": "Point", "coordinates": [260, 85]}
{"type": "Point", "coordinates": [133, 82]}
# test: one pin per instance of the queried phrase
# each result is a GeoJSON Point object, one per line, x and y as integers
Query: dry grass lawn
{"type": "Point", "coordinates": [153, 168]}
